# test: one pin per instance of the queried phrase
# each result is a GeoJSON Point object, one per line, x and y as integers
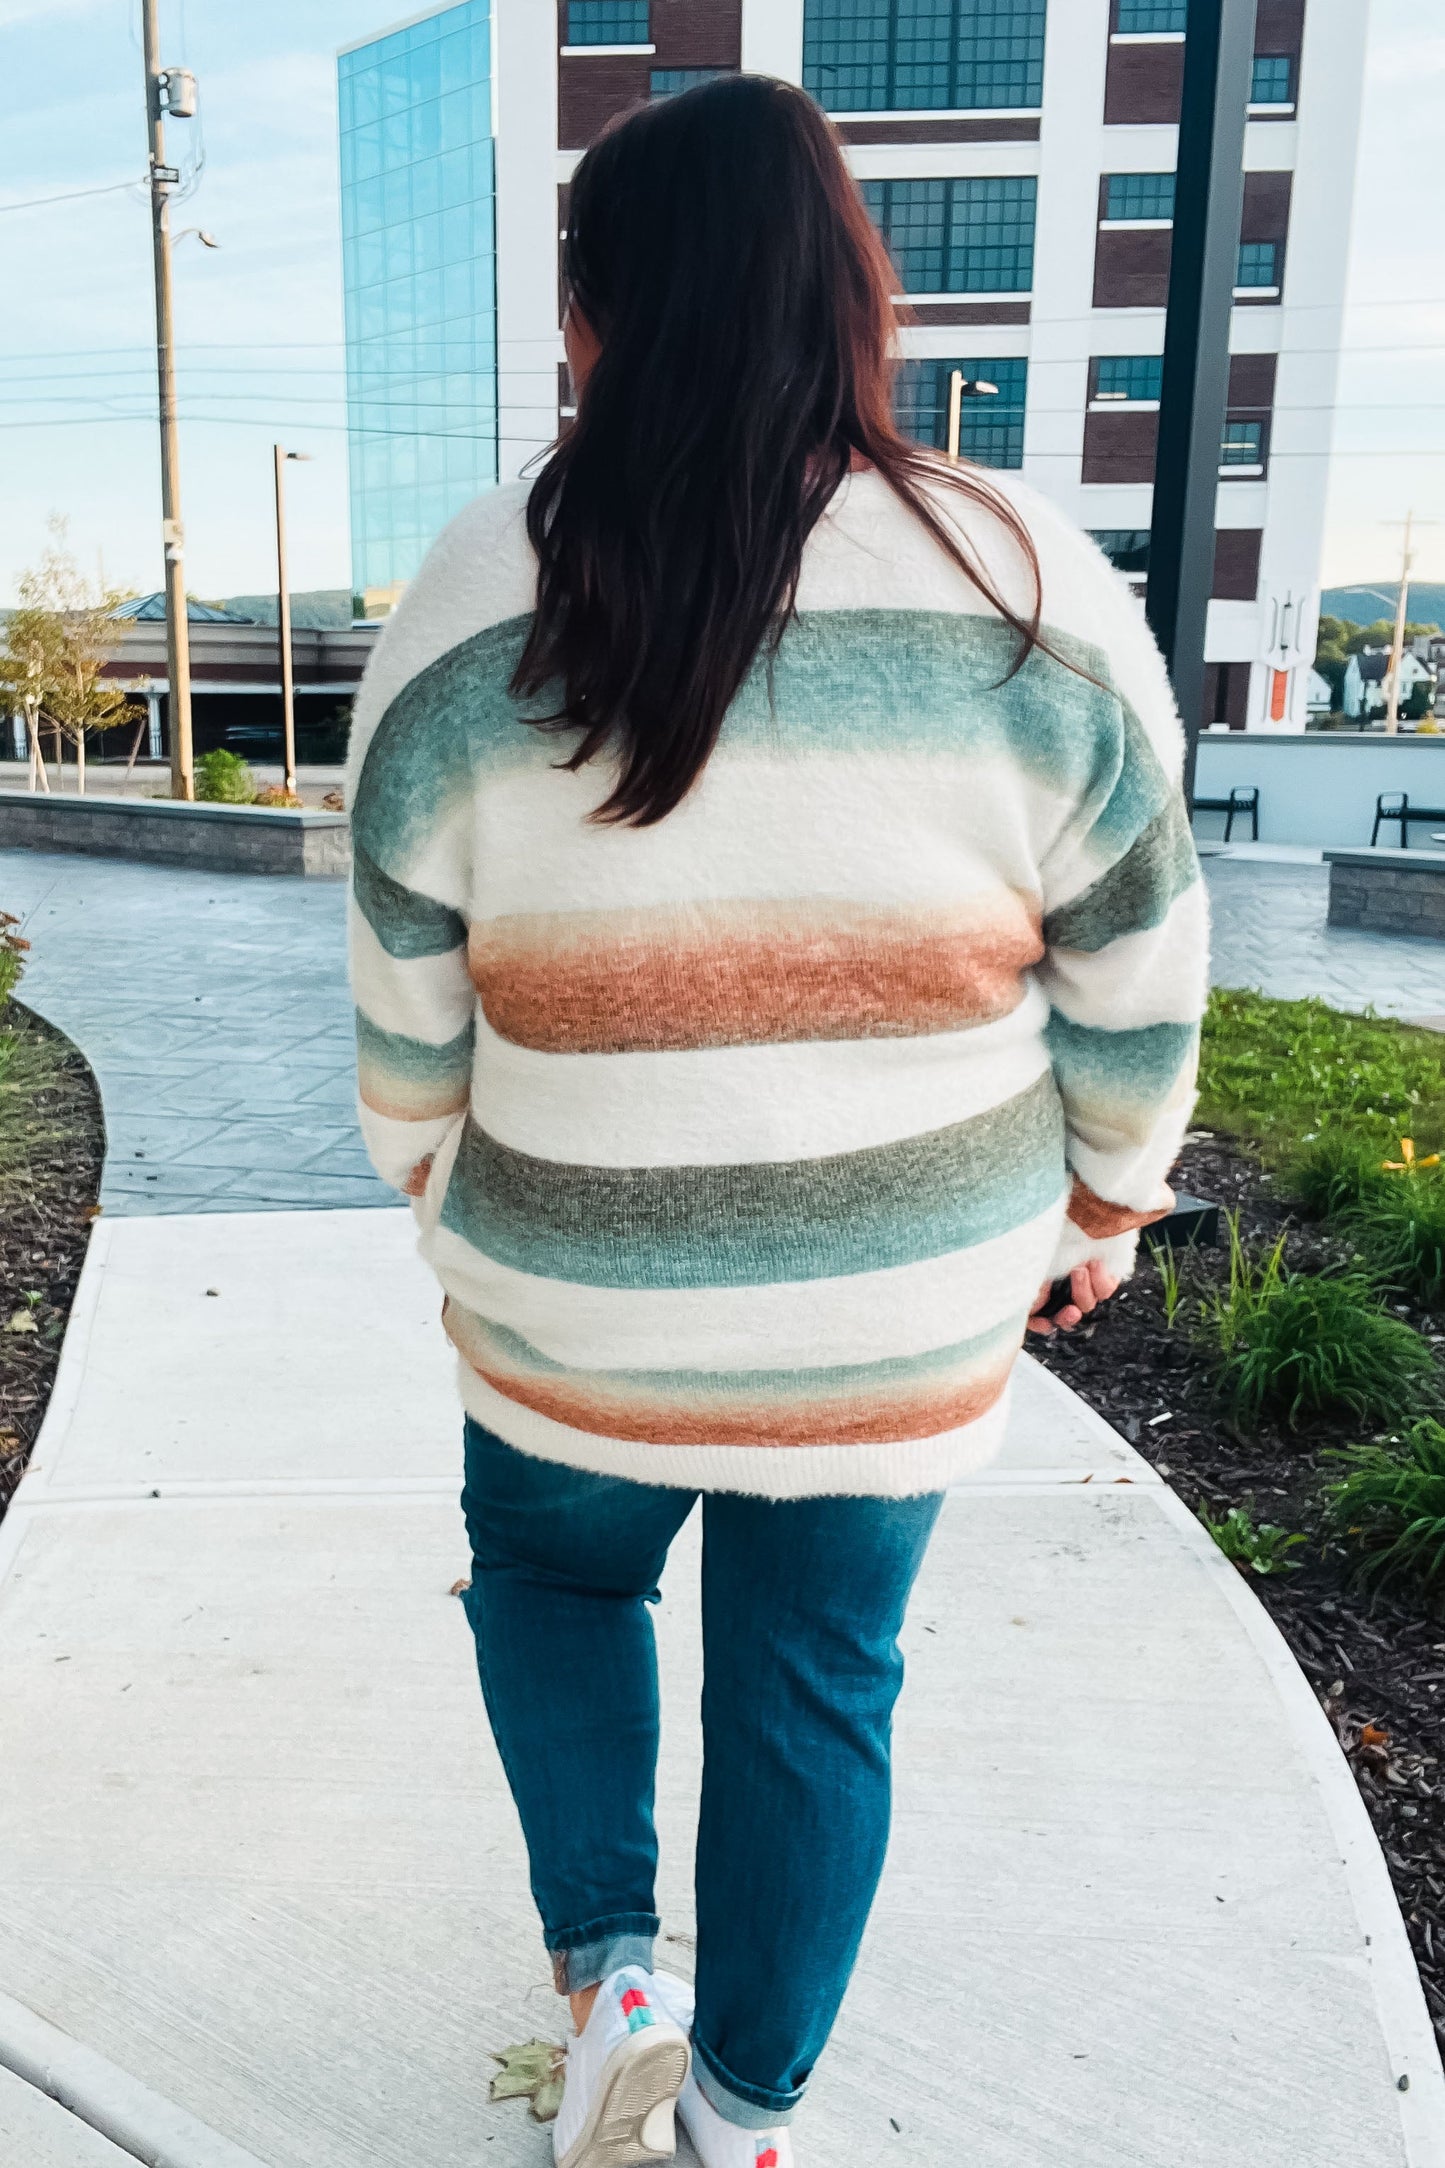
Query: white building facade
{"type": "Point", "coordinates": [1019, 155]}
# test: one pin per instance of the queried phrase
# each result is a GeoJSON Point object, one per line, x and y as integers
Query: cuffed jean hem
{"type": "Point", "coordinates": [583, 1956]}
{"type": "Point", "coordinates": [749, 2107]}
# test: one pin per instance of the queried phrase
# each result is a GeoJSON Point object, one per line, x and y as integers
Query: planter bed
{"type": "Point", "coordinates": [52, 1143]}
{"type": "Point", "coordinates": [212, 838]}
{"type": "Point", "coordinates": [1376, 1663]}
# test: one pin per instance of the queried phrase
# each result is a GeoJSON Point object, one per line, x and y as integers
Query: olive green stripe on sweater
{"type": "Point", "coordinates": [1136, 893]}
{"type": "Point", "coordinates": [752, 1225]}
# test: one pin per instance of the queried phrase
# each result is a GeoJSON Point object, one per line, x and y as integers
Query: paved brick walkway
{"type": "Point", "coordinates": [1270, 932]}
{"type": "Point", "coordinates": [214, 1010]}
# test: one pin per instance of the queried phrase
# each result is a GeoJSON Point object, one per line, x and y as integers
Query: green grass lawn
{"type": "Point", "coordinates": [1281, 1072]}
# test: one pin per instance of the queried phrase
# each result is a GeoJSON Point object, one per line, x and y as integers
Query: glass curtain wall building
{"type": "Point", "coordinates": [418, 222]}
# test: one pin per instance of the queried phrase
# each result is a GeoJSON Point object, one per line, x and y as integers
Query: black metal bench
{"type": "Point", "coordinates": [1242, 799]}
{"type": "Point", "coordinates": [1394, 805]}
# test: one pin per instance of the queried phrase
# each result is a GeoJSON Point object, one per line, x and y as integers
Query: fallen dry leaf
{"type": "Point", "coordinates": [535, 2071]}
{"type": "Point", "coordinates": [459, 1588]}
{"type": "Point", "coordinates": [22, 1321]}
{"type": "Point", "coordinates": [1371, 1735]}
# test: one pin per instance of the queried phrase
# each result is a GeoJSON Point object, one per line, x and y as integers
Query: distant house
{"type": "Point", "coordinates": [1319, 698]}
{"type": "Point", "coordinates": [1430, 648]}
{"type": "Point", "coordinates": [1365, 675]}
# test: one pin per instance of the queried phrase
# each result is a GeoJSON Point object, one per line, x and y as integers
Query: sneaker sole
{"type": "Point", "coordinates": [632, 2117]}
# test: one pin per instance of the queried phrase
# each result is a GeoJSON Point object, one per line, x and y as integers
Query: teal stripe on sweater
{"type": "Point", "coordinates": [406, 923]}
{"type": "Point", "coordinates": [1137, 892]}
{"type": "Point", "coordinates": [479, 1336]}
{"type": "Point", "coordinates": [1128, 1071]}
{"type": "Point", "coordinates": [413, 1061]}
{"type": "Point", "coordinates": [843, 681]}
{"type": "Point", "coordinates": [753, 1225]}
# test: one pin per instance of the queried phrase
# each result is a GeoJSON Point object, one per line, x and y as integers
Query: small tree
{"type": "Point", "coordinates": [66, 636]}
{"type": "Point", "coordinates": [28, 667]}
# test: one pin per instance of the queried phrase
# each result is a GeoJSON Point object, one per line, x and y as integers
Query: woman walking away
{"type": "Point", "coordinates": [779, 949]}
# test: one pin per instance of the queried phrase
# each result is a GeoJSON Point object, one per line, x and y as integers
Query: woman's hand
{"type": "Point", "coordinates": [1089, 1285]}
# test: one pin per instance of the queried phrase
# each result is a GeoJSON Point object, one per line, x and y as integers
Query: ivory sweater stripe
{"type": "Point", "coordinates": [751, 1135]}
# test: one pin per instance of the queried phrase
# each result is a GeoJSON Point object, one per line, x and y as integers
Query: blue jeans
{"type": "Point", "coordinates": [802, 1602]}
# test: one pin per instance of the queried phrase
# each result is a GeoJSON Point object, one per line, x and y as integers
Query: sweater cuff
{"type": "Point", "coordinates": [1116, 1253]}
{"type": "Point", "coordinates": [1097, 1231]}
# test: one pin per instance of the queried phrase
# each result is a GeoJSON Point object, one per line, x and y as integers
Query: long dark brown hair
{"type": "Point", "coordinates": [722, 255]}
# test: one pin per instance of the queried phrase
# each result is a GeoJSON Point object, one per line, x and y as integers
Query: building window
{"type": "Point", "coordinates": [991, 424]}
{"type": "Point", "coordinates": [1149, 17]}
{"type": "Point", "coordinates": [608, 22]}
{"type": "Point", "coordinates": [1242, 444]}
{"type": "Point", "coordinates": [1138, 195]}
{"type": "Point", "coordinates": [1258, 264]}
{"type": "Point", "coordinates": [1127, 376]}
{"type": "Point", "coordinates": [1273, 80]}
{"type": "Point", "coordinates": [419, 276]}
{"type": "Point", "coordinates": [895, 56]}
{"type": "Point", "coordinates": [958, 236]}
{"type": "Point", "coordinates": [1127, 548]}
{"type": "Point", "coordinates": [667, 82]}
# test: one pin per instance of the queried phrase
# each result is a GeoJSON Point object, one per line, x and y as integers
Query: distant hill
{"type": "Point", "coordinates": [322, 608]}
{"type": "Point", "coordinates": [1362, 605]}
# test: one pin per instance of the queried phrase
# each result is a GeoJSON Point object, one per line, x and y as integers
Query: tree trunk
{"type": "Point", "coordinates": [80, 762]}
{"type": "Point", "coordinates": [39, 780]}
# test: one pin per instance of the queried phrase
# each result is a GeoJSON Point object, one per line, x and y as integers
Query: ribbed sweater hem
{"type": "Point", "coordinates": [901, 1468]}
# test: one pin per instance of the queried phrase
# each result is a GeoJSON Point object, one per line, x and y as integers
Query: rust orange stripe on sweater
{"type": "Point", "coordinates": [1099, 1219]}
{"type": "Point", "coordinates": [749, 973]}
{"type": "Point", "coordinates": [864, 1404]}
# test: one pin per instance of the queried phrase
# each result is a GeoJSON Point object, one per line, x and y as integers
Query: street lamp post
{"type": "Point", "coordinates": [961, 387]}
{"type": "Point", "coordinates": [283, 621]}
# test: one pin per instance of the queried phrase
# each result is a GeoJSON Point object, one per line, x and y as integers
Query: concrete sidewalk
{"type": "Point", "coordinates": [264, 1893]}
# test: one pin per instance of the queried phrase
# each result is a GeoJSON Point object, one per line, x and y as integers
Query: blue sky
{"type": "Point", "coordinates": [259, 320]}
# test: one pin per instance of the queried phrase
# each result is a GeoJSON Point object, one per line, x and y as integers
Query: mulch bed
{"type": "Point", "coordinates": [1378, 1666]}
{"type": "Point", "coordinates": [47, 1203]}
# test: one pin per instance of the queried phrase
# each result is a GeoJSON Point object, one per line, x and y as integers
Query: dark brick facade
{"type": "Point", "coordinates": [1236, 563]}
{"type": "Point", "coordinates": [1131, 267]}
{"type": "Point", "coordinates": [1142, 83]}
{"type": "Point", "coordinates": [592, 87]}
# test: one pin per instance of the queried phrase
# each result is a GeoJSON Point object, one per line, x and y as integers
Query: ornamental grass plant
{"type": "Point", "coordinates": [1293, 1345]}
{"type": "Point", "coordinates": [1389, 1508]}
{"type": "Point", "coordinates": [1392, 1211]}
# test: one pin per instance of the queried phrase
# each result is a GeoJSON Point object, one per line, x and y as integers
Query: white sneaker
{"type": "Point", "coordinates": [625, 2070]}
{"type": "Point", "coordinates": [718, 2143]}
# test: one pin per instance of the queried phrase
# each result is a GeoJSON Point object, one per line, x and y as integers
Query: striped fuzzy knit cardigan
{"type": "Point", "coordinates": [753, 1134]}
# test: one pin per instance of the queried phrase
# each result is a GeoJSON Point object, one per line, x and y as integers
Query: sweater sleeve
{"type": "Point", "coordinates": [407, 935]}
{"type": "Point", "coordinates": [1125, 971]}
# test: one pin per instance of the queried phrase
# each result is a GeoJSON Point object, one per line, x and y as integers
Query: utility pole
{"type": "Point", "coordinates": [283, 620]}
{"type": "Point", "coordinates": [1397, 645]}
{"type": "Point", "coordinates": [178, 635]}
{"type": "Point", "coordinates": [1208, 200]}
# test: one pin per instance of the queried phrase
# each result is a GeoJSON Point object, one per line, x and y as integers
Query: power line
{"type": "Point", "coordinates": [111, 188]}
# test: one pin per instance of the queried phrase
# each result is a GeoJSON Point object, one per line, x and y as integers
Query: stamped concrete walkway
{"type": "Point", "coordinates": [264, 1902]}
{"type": "Point", "coordinates": [213, 1009]}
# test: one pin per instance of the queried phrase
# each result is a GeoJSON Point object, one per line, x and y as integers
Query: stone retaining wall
{"type": "Point", "coordinates": [212, 838]}
{"type": "Point", "coordinates": [1388, 891]}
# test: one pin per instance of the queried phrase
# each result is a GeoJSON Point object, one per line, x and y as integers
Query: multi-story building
{"type": "Point", "coordinates": [1019, 157]}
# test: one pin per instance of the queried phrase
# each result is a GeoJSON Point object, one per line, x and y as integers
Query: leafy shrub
{"type": "Point", "coordinates": [1295, 1344]}
{"type": "Point", "coordinates": [1390, 1508]}
{"type": "Point", "coordinates": [223, 778]}
{"type": "Point", "coordinates": [1256, 1550]}
{"type": "Point", "coordinates": [1286, 1071]}
{"type": "Point", "coordinates": [13, 951]}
